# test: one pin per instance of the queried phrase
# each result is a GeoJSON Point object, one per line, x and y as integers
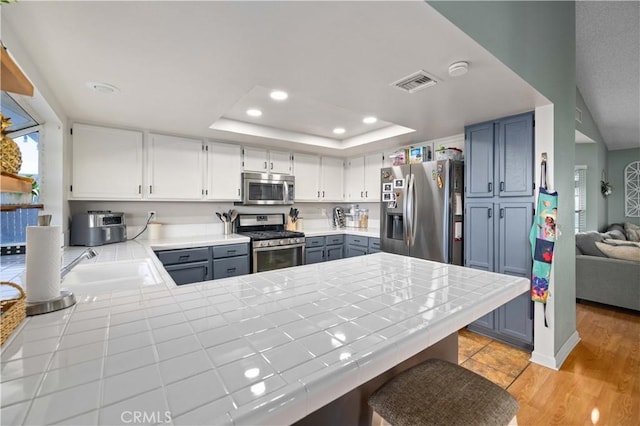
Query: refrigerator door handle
{"type": "Point", "coordinates": [411, 195]}
{"type": "Point", "coordinates": [406, 225]}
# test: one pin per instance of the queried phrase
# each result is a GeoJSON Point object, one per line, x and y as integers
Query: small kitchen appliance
{"type": "Point", "coordinates": [96, 228]}
{"type": "Point", "coordinates": [272, 247]}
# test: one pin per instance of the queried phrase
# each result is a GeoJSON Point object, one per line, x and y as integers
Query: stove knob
{"type": "Point", "coordinates": [298, 240]}
{"type": "Point", "coordinates": [273, 243]}
{"type": "Point", "coordinates": [283, 242]}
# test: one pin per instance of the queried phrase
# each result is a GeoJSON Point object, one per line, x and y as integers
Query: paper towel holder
{"type": "Point", "coordinates": [66, 298]}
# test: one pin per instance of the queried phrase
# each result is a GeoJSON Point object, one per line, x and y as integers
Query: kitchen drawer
{"type": "Point", "coordinates": [374, 244]}
{"type": "Point", "coordinates": [356, 240]}
{"type": "Point", "coordinates": [174, 257]}
{"type": "Point", "coordinates": [230, 267]}
{"type": "Point", "coordinates": [314, 242]}
{"type": "Point", "coordinates": [230, 250]}
{"type": "Point", "coordinates": [332, 240]}
{"type": "Point", "coordinates": [189, 273]}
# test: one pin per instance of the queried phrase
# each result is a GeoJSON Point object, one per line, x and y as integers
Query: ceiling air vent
{"type": "Point", "coordinates": [416, 81]}
{"type": "Point", "coordinates": [578, 115]}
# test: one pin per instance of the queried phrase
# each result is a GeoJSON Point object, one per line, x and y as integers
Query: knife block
{"type": "Point", "coordinates": [291, 225]}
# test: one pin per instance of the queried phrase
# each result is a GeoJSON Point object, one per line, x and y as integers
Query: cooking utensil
{"type": "Point", "coordinates": [220, 217]}
{"type": "Point", "coordinates": [234, 215]}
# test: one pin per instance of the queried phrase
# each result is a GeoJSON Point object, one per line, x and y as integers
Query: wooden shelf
{"type": "Point", "coordinates": [14, 207]}
{"type": "Point", "coordinates": [13, 79]}
{"type": "Point", "coordinates": [14, 183]}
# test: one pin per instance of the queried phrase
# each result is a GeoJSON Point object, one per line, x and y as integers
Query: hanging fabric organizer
{"type": "Point", "coordinates": [543, 238]}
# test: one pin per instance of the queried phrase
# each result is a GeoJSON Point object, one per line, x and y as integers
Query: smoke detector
{"type": "Point", "coordinates": [102, 87]}
{"type": "Point", "coordinates": [458, 69]}
{"type": "Point", "coordinates": [417, 81]}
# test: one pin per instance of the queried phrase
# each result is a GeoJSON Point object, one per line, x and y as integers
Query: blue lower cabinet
{"type": "Point", "coordinates": [353, 251]}
{"type": "Point", "coordinates": [334, 252]}
{"type": "Point", "coordinates": [374, 245]}
{"type": "Point", "coordinates": [314, 255]}
{"type": "Point", "coordinates": [230, 267]}
{"type": "Point", "coordinates": [188, 273]}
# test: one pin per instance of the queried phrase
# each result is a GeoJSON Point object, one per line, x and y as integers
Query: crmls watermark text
{"type": "Point", "coordinates": [147, 417]}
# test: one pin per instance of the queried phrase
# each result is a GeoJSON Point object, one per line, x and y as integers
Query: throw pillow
{"type": "Point", "coordinates": [616, 242]}
{"type": "Point", "coordinates": [615, 234]}
{"type": "Point", "coordinates": [632, 231]}
{"type": "Point", "coordinates": [585, 241]}
{"type": "Point", "coordinates": [622, 252]}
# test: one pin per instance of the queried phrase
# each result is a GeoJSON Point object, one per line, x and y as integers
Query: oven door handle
{"type": "Point", "coordinates": [272, 248]}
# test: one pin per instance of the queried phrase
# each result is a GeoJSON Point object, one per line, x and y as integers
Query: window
{"type": "Point", "coordinates": [632, 189]}
{"type": "Point", "coordinates": [580, 192]}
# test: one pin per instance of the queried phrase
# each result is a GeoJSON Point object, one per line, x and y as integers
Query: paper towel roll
{"type": "Point", "coordinates": [43, 262]}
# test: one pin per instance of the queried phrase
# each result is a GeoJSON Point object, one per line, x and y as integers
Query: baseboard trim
{"type": "Point", "coordinates": [556, 361]}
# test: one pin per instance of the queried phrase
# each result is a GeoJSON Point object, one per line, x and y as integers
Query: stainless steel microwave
{"type": "Point", "coordinates": [267, 189]}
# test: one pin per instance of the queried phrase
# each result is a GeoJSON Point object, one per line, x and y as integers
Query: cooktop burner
{"type": "Point", "coordinates": [271, 235]}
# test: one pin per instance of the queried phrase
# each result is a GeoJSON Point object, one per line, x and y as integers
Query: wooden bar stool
{"type": "Point", "coordinates": [437, 392]}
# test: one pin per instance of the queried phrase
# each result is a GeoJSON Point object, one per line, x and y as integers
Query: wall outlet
{"type": "Point", "coordinates": [151, 215]}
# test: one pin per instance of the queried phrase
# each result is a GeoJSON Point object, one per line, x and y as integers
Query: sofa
{"type": "Point", "coordinates": [608, 266]}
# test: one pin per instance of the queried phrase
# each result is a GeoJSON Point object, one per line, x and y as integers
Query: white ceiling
{"type": "Point", "coordinates": [181, 66]}
{"type": "Point", "coordinates": [608, 68]}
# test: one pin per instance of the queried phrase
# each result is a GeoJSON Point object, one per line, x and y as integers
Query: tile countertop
{"type": "Point", "coordinates": [257, 349]}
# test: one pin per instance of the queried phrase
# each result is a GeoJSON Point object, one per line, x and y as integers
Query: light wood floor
{"type": "Point", "coordinates": [599, 383]}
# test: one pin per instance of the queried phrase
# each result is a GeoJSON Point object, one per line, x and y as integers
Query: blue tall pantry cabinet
{"type": "Point", "coordinates": [499, 202]}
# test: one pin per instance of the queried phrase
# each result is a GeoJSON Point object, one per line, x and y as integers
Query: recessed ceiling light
{"type": "Point", "coordinates": [102, 87]}
{"type": "Point", "coordinates": [369, 120]}
{"type": "Point", "coordinates": [254, 112]}
{"type": "Point", "coordinates": [278, 95]}
{"type": "Point", "coordinates": [339, 130]}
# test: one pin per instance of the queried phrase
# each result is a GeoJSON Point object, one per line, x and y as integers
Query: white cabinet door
{"type": "Point", "coordinates": [354, 179]}
{"type": "Point", "coordinates": [372, 184]}
{"type": "Point", "coordinates": [332, 179]}
{"type": "Point", "coordinates": [279, 162]}
{"type": "Point", "coordinates": [106, 163]}
{"type": "Point", "coordinates": [256, 160]}
{"type": "Point", "coordinates": [306, 169]}
{"type": "Point", "coordinates": [224, 171]}
{"type": "Point", "coordinates": [175, 168]}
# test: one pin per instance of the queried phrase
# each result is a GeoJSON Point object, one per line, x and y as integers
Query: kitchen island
{"type": "Point", "coordinates": [267, 348]}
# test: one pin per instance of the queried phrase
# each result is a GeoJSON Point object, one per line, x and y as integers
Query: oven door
{"type": "Point", "coordinates": [270, 258]}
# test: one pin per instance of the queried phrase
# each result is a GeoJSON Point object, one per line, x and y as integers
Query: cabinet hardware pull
{"type": "Point", "coordinates": [265, 165]}
{"type": "Point", "coordinates": [184, 257]}
{"type": "Point", "coordinates": [206, 271]}
{"type": "Point", "coordinates": [318, 194]}
{"type": "Point", "coordinates": [322, 194]}
{"type": "Point", "coordinates": [139, 189]}
{"type": "Point", "coordinates": [272, 165]}
{"type": "Point", "coordinates": [490, 187]}
{"type": "Point", "coordinates": [231, 251]}
{"type": "Point", "coordinates": [238, 191]}
{"type": "Point", "coordinates": [231, 269]}
{"type": "Point", "coordinates": [501, 186]}
{"type": "Point", "coordinates": [490, 212]}
{"type": "Point", "coordinates": [361, 194]}
{"type": "Point", "coordinates": [366, 194]}
{"type": "Point", "coordinates": [501, 213]}
{"type": "Point", "coordinates": [150, 189]}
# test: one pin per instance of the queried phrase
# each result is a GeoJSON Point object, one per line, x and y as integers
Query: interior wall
{"type": "Point", "coordinates": [616, 162]}
{"type": "Point", "coordinates": [181, 213]}
{"type": "Point", "coordinates": [594, 156]}
{"type": "Point", "coordinates": [537, 41]}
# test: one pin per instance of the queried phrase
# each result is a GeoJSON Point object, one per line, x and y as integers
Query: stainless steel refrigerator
{"type": "Point", "coordinates": [421, 210]}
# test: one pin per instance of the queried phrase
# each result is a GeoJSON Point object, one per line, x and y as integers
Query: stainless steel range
{"type": "Point", "coordinates": [272, 247]}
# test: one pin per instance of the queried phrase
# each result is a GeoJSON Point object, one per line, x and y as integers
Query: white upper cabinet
{"type": "Point", "coordinates": [175, 168]}
{"type": "Point", "coordinates": [266, 161]}
{"type": "Point", "coordinates": [224, 171]}
{"type": "Point", "coordinates": [306, 168]}
{"type": "Point", "coordinates": [332, 179]}
{"type": "Point", "coordinates": [354, 179]}
{"type": "Point", "coordinates": [372, 184]}
{"type": "Point", "coordinates": [106, 163]}
{"type": "Point", "coordinates": [362, 181]}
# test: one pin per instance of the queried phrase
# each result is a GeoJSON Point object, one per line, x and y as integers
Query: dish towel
{"type": "Point", "coordinates": [543, 238]}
